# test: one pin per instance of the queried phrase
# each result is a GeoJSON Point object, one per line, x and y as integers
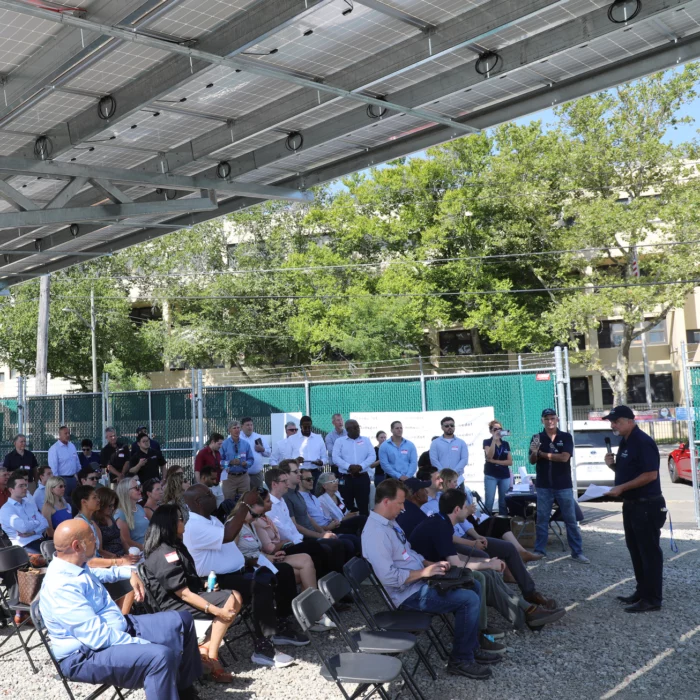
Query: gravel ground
{"type": "Point", "coordinates": [596, 651]}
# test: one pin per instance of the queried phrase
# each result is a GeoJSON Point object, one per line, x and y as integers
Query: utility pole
{"type": "Point", "coordinates": [93, 335]}
{"type": "Point", "coordinates": [42, 337]}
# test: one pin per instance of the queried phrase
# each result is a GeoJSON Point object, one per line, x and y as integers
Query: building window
{"type": "Point", "coordinates": [580, 392]}
{"type": "Point", "coordinates": [692, 336]}
{"type": "Point", "coordinates": [231, 254]}
{"type": "Point", "coordinates": [661, 389]}
{"type": "Point", "coordinates": [610, 335]}
{"type": "Point", "coordinates": [13, 373]}
{"type": "Point", "coordinates": [2, 376]}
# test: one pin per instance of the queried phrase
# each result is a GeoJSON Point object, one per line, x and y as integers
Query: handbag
{"type": "Point", "coordinates": [29, 583]}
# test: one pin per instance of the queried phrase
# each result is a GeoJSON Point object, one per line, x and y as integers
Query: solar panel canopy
{"type": "Point", "coordinates": [122, 120]}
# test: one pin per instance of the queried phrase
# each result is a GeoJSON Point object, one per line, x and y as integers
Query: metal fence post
{"type": "Point", "coordinates": [561, 393]}
{"type": "Point", "coordinates": [307, 392]}
{"type": "Point", "coordinates": [423, 398]}
{"type": "Point", "coordinates": [570, 414]}
{"type": "Point", "coordinates": [690, 409]}
{"type": "Point", "coordinates": [193, 394]}
{"type": "Point", "coordinates": [200, 412]}
{"type": "Point", "coordinates": [150, 414]}
{"type": "Point", "coordinates": [63, 409]}
{"type": "Point", "coordinates": [20, 404]}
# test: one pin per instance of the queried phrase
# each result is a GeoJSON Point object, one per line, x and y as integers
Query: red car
{"type": "Point", "coordinates": [679, 464]}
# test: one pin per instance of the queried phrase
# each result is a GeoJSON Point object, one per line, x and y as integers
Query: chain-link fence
{"type": "Point", "coordinates": [518, 388]}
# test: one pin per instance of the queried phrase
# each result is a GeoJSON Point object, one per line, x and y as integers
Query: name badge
{"type": "Point", "coordinates": [172, 557]}
{"type": "Point", "coordinates": [248, 537]}
{"type": "Point", "coordinates": [454, 449]}
{"type": "Point", "coordinates": [404, 452]}
{"type": "Point", "coordinates": [358, 442]}
{"type": "Point", "coordinates": [121, 454]}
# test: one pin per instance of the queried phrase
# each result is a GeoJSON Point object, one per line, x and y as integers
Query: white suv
{"type": "Point", "coordinates": [590, 448]}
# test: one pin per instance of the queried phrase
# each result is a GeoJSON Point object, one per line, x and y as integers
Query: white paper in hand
{"type": "Point", "coordinates": [593, 491]}
{"type": "Point", "coordinates": [525, 478]}
{"type": "Point", "coordinates": [264, 561]}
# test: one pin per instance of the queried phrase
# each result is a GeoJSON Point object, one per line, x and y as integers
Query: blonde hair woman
{"type": "Point", "coordinates": [55, 508]}
{"type": "Point", "coordinates": [175, 487]}
{"type": "Point", "coordinates": [130, 518]}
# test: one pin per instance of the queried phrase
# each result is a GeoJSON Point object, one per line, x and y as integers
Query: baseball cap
{"type": "Point", "coordinates": [620, 412]}
{"type": "Point", "coordinates": [416, 484]}
{"type": "Point", "coordinates": [548, 412]}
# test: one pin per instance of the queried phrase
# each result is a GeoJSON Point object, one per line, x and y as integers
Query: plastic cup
{"type": "Point", "coordinates": [134, 551]}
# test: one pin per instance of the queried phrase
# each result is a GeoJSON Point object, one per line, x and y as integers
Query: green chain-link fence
{"type": "Point", "coordinates": [518, 398]}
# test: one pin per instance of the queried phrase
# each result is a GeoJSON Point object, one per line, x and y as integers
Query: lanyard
{"type": "Point", "coordinates": [672, 543]}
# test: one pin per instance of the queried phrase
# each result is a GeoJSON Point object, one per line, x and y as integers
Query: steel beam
{"type": "Point", "coordinates": [111, 191]}
{"type": "Point", "coordinates": [67, 193]}
{"type": "Point", "coordinates": [50, 217]}
{"type": "Point", "coordinates": [58, 169]}
{"type": "Point", "coordinates": [649, 62]}
{"type": "Point", "coordinates": [396, 13]}
{"type": "Point", "coordinates": [16, 198]}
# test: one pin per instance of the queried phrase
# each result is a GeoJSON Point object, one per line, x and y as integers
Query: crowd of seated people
{"type": "Point", "coordinates": [264, 546]}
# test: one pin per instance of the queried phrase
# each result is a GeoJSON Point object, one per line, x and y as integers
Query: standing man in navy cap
{"type": "Point", "coordinates": [551, 451]}
{"type": "Point", "coordinates": [637, 481]}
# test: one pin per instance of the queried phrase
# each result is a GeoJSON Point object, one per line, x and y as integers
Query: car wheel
{"type": "Point", "coordinates": [673, 471]}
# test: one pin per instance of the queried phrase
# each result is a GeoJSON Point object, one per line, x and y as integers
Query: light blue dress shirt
{"type": "Point", "coordinates": [77, 609]}
{"type": "Point", "coordinates": [449, 454]}
{"type": "Point", "coordinates": [22, 516]}
{"type": "Point", "coordinates": [63, 459]}
{"type": "Point", "coordinates": [40, 496]}
{"type": "Point", "coordinates": [257, 466]}
{"type": "Point", "coordinates": [314, 509]}
{"type": "Point", "coordinates": [398, 461]}
{"type": "Point", "coordinates": [432, 506]}
{"type": "Point", "coordinates": [240, 450]}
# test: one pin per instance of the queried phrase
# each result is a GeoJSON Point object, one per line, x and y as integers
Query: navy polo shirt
{"type": "Point", "coordinates": [432, 539]}
{"type": "Point", "coordinates": [498, 471]}
{"type": "Point", "coordinates": [637, 454]}
{"type": "Point", "coordinates": [411, 517]}
{"type": "Point", "coordinates": [555, 475]}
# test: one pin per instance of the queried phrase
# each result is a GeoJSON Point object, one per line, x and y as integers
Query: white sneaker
{"type": "Point", "coordinates": [265, 654]}
{"type": "Point", "coordinates": [581, 559]}
{"type": "Point", "coordinates": [325, 624]}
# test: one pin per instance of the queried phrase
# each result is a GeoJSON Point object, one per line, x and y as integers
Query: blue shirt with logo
{"type": "Point", "coordinates": [498, 471]}
{"type": "Point", "coordinates": [637, 454]}
{"type": "Point", "coordinates": [555, 475]}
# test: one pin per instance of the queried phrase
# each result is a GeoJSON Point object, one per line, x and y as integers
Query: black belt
{"type": "Point", "coordinates": [650, 499]}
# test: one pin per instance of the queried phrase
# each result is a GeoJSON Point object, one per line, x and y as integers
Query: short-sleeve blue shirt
{"type": "Point", "coordinates": [432, 539]}
{"type": "Point", "coordinates": [555, 475]}
{"type": "Point", "coordinates": [498, 471]}
{"type": "Point", "coordinates": [637, 454]}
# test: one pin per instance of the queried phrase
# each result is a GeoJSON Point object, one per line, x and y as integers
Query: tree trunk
{"type": "Point", "coordinates": [622, 366]}
{"type": "Point", "coordinates": [476, 342]}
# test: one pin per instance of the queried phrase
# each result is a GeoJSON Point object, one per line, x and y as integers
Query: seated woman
{"type": "Point", "coordinates": [174, 488]}
{"type": "Point", "coordinates": [55, 508]}
{"type": "Point", "coordinates": [85, 504]}
{"type": "Point", "coordinates": [497, 527]}
{"type": "Point", "coordinates": [131, 518]}
{"type": "Point", "coordinates": [334, 508]}
{"type": "Point", "coordinates": [109, 530]}
{"type": "Point", "coordinates": [152, 493]}
{"type": "Point", "coordinates": [172, 580]}
{"type": "Point", "coordinates": [251, 543]}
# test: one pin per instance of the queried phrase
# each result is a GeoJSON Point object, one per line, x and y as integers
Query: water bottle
{"type": "Point", "coordinates": [211, 581]}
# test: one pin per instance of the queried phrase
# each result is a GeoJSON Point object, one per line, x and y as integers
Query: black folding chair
{"type": "Point", "coordinates": [369, 671]}
{"type": "Point", "coordinates": [40, 628]}
{"type": "Point", "coordinates": [11, 560]}
{"type": "Point", "coordinates": [334, 587]}
{"type": "Point", "coordinates": [358, 570]}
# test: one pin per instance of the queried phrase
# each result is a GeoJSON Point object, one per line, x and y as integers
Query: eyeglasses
{"type": "Point", "coordinates": [400, 534]}
{"type": "Point", "coordinates": [448, 425]}
{"type": "Point", "coordinates": [136, 486]}
{"type": "Point", "coordinates": [292, 430]}
{"type": "Point", "coordinates": [493, 430]}
{"type": "Point", "coordinates": [91, 478]}
{"type": "Point", "coordinates": [307, 478]}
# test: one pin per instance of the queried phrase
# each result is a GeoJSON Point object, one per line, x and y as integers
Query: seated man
{"type": "Point", "coordinates": [94, 643]}
{"type": "Point", "coordinates": [19, 517]}
{"type": "Point", "coordinates": [209, 477]}
{"type": "Point", "coordinates": [212, 546]}
{"type": "Point", "coordinates": [412, 515]}
{"type": "Point", "coordinates": [403, 571]}
{"type": "Point", "coordinates": [88, 476]}
{"type": "Point", "coordinates": [433, 540]}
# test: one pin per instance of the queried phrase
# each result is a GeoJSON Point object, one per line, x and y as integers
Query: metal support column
{"type": "Point", "coordinates": [690, 408]}
{"type": "Point", "coordinates": [561, 392]}
{"type": "Point", "coordinates": [423, 399]}
{"type": "Point", "coordinates": [193, 394]}
{"type": "Point", "coordinates": [570, 414]}
{"type": "Point", "coordinates": [307, 393]}
{"type": "Point", "coordinates": [20, 403]}
{"type": "Point", "coordinates": [105, 402]}
{"type": "Point", "coordinates": [63, 409]}
{"type": "Point", "coordinates": [200, 411]}
{"type": "Point", "coordinates": [150, 415]}
{"type": "Point", "coordinates": [522, 392]}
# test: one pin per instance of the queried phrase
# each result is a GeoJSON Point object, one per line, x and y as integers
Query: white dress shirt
{"type": "Point", "coordinates": [279, 514]}
{"type": "Point", "coordinates": [257, 456]}
{"type": "Point", "coordinates": [63, 459]}
{"type": "Point", "coordinates": [204, 537]}
{"type": "Point", "coordinates": [311, 448]}
{"type": "Point", "coordinates": [282, 449]}
{"type": "Point", "coordinates": [22, 516]}
{"type": "Point", "coordinates": [347, 451]}
{"type": "Point", "coordinates": [330, 508]}
{"type": "Point", "coordinates": [40, 496]}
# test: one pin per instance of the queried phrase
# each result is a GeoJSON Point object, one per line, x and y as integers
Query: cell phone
{"type": "Point", "coordinates": [505, 433]}
{"type": "Point", "coordinates": [258, 441]}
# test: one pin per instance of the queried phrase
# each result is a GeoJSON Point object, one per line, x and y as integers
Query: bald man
{"type": "Point", "coordinates": [91, 639]}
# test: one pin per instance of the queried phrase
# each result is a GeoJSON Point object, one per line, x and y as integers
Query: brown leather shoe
{"type": "Point", "coordinates": [536, 598]}
{"type": "Point", "coordinates": [530, 556]}
{"type": "Point", "coordinates": [537, 616]}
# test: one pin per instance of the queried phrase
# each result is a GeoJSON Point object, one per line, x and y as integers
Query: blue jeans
{"type": "Point", "coordinates": [490, 485]}
{"type": "Point", "coordinates": [464, 603]}
{"type": "Point", "coordinates": [565, 499]}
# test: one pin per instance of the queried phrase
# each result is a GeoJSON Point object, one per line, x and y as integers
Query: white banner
{"type": "Point", "coordinates": [471, 424]}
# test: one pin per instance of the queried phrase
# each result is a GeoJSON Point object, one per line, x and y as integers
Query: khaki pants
{"type": "Point", "coordinates": [235, 484]}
